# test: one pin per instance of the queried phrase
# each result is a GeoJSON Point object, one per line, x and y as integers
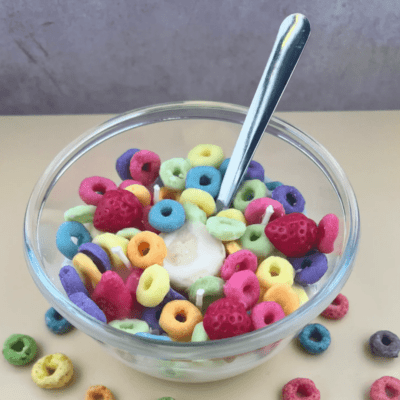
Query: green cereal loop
{"type": "Point", "coordinates": [173, 173]}
{"type": "Point", "coordinates": [249, 190]}
{"type": "Point", "coordinates": [199, 333]}
{"type": "Point", "coordinates": [254, 239]}
{"type": "Point", "coordinates": [213, 290]}
{"type": "Point", "coordinates": [225, 229]}
{"type": "Point", "coordinates": [19, 349]}
{"type": "Point", "coordinates": [83, 214]}
{"type": "Point", "coordinates": [128, 233]}
{"type": "Point", "coordinates": [206, 155]}
{"type": "Point", "coordinates": [130, 325]}
{"type": "Point", "coordinates": [194, 213]}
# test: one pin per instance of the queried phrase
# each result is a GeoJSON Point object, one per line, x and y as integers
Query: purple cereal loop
{"type": "Point", "coordinates": [239, 261]}
{"type": "Point", "coordinates": [254, 171]}
{"type": "Point", "coordinates": [86, 304]}
{"type": "Point", "coordinates": [152, 315]}
{"type": "Point", "coordinates": [310, 268]}
{"type": "Point", "coordinates": [290, 198]}
{"type": "Point", "coordinates": [123, 162]}
{"type": "Point", "coordinates": [97, 255]}
{"type": "Point", "coordinates": [91, 189]}
{"type": "Point", "coordinates": [71, 281]}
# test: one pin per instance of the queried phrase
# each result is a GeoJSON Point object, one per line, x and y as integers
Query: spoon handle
{"type": "Point", "coordinates": [289, 44]}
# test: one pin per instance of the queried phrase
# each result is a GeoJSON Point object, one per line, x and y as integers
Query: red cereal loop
{"type": "Point", "coordinates": [337, 309]}
{"type": "Point", "coordinates": [239, 261]}
{"type": "Point", "coordinates": [92, 189]}
{"type": "Point", "coordinates": [256, 209]}
{"type": "Point", "coordinates": [145, 167]}
{"type": "Point", "coordinates": [300, 388]}
{"type": "Point", "coordinates": [328, 230]}
{"type": "Point", "coordinates": [385, 388]}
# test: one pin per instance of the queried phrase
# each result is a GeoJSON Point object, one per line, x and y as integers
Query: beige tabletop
{"type": "Point", "coordinates": [366, 145]}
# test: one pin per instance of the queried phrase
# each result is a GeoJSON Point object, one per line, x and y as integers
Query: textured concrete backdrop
{"type": "Point", "coordinates": [99, 56]}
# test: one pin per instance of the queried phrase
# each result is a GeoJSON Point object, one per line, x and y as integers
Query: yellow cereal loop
{"type": "Point", "coordinates": [86, 269]}
{"type": "Point", "coordinates": [232, 247]}
{"type": "Point", "coordinates": [233, 214]}
{"type": "Point", "coordinates": [107, 241]}
{"type": "Point", "coordinates": [275, 270]}
{"type": "Point", "coordinates": [284, 295]}
{"type": "Point", "coordinates": [178, 318]}
{"type": "Point", "coordinates": [206, 155]}
{"type": "Point", "coordinates": [301, 293]}
{"type": "Point", "coordinates": [167, 193]}
{"type": "Point", "coordinates": [52, 371]}
{"type": "Point", "coordinates": [200, 198]}
{"type": "Point", "coordinates": [141, 192]}
{"type": "Point", "coordinates": [153, 286]}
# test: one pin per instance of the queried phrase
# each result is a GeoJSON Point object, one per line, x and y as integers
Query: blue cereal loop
{"type": "Point", "coordinates": [66, 232]}
{"type": "Point", "coordinates": [271, 186]}
{"type": "Point", "coordinates": [167, 215]}
{"type": "Point", "coordinates": [154, 337]}
{"type": "Point", "coordinates": [204, 178]}
{"type": "Point", "coordinates": [315, 338]}
{"type": "Point", "coordinates": [56, 322]}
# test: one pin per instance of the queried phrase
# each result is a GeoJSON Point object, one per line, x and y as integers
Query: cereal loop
{"type": "Point", "coordinates": [200, 198]}
{"type": "Point", "coordinates": [232, 247]}
{"type": "Point", "coordinates": [337, 309]}
{"type": "Point", "coordinates": [145, 166]}
{"type": "Point", "coordinates": [91, 189]}
{"type": "Point", "coordinates": [300, 388]}
{"type": "Point", "coordinates": [240, 260]}
{"type": "Point", "coordinates": [233, 214]}
{"type": "Point", "coordinates": [109, 240]}
{"type": "Point", "coordinates": [275, 270]}
{"type": "Point", "coordinates": [153, 286]}
{"type": "Point", "coordinates": [52, 371]}
{"type": "Point", "coordinates": [99, 392]}
{"type": "Point", "coordinates": [385, 388]}
{"type": "Point", "coordinates": [315, 338]}
{"type": "Point", "coordinates": [179, 318]}
{"type": "Point", "coordinates": [284, 295]}
{"type": "Point", "coordinates": [141, 192]}
{"type": "Point", "coordinates": [206, 155]}
{"type": "Point", "coordinates": [145, 249]}
{"type": "Point", "coordinates": [19, 349]}
{"type": "Point", "coordinates": [87, 270]}
{"type": "Point", "coordinates": [225, 229]}
{"type": "Point", "coordinates": [167, 193]}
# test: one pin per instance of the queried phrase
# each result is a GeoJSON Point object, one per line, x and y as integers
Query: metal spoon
{"type": "Point", "coordinates": [289, 44]}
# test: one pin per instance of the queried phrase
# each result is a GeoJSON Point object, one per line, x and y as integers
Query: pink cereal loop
{"type": "Point", "coordinates": [128, 182]}
{"type": "Point", "coordinates": [239, 261]}
{"type": "Point", "coordinates": [145, 166]}
{"type": "Point", "coordinates": [91, 189]}
{"type": "Point", "coordinates": [243, 286]}
{"type": "Point", "coordinates": [300, 389]}
{"type": "Point", "coordinates": [385, 388]}
{"type": "Point", "coordinates": [256, 209]}
{"type": "Point", "coordinates": [266, 313]}
{"type": "Point", "coordinates": [337, 309]}
{"type": "Point", "coordinates": [328, 229]}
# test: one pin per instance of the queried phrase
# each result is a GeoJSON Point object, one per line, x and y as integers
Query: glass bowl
{"type": "Point", "coordinates": [171, 130]}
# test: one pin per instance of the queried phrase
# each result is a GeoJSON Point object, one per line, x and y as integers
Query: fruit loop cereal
{"type": "Point", "coordinates": [151, 256]}
{"type": "Point", "coordinates": [337, 309]}
{"type": "Point", "coordinates": [53, 371]}
{"type": "Point", "coordinates": [99, 392]}
{"type": "Point", "coordinates": [300, 388]}
{"type": "Point", "coordinates": [315, 338]}
{"type": "Point", "coordinates": [19, 349]}
{"type": "Point", "coordinates": [385, 388]}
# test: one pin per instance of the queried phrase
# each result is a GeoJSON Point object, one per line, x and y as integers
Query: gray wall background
{"type": "Point", "coordinates": [98, 56]}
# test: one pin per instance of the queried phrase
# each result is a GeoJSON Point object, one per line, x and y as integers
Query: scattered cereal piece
{"type": "Point", "coordinates": [52, 371]}
{"type": "Point", "coordinates": [99, 392]}
{"type": "Point", "coordinates": [19, 349]}
{"type": "Point", "coordinates": [300, 388]}
{"type": "Point", "coordinates": [56, 322]}
{"type": "Point", "coordinates": [315, 338]}
{"type": "Point", "coordinates": [385, 344]}
{"type": "Point", "coordinates": [337, 309]}
{"type": "Point", "coordinates": [385, 388]}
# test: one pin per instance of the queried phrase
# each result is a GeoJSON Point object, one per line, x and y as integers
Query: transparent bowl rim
{"type": "Point", "coordinates": [202, 350]}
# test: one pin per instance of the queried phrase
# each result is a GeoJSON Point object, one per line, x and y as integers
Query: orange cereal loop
{"type": "Point", "coordinates": [99, 392]}
{"type": "Point", "coordinates": [232, 247]}
{"type": "Point", "coordinates": [284, 295]}
{"type": "Point", "coordinates": [167, 193]}
{"type": "Point", "coordinates": [141, 192]}
{"type": "Point", "coordinates": [145, 249]}
{"type": "Point", "coordinates": [179, 318]}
